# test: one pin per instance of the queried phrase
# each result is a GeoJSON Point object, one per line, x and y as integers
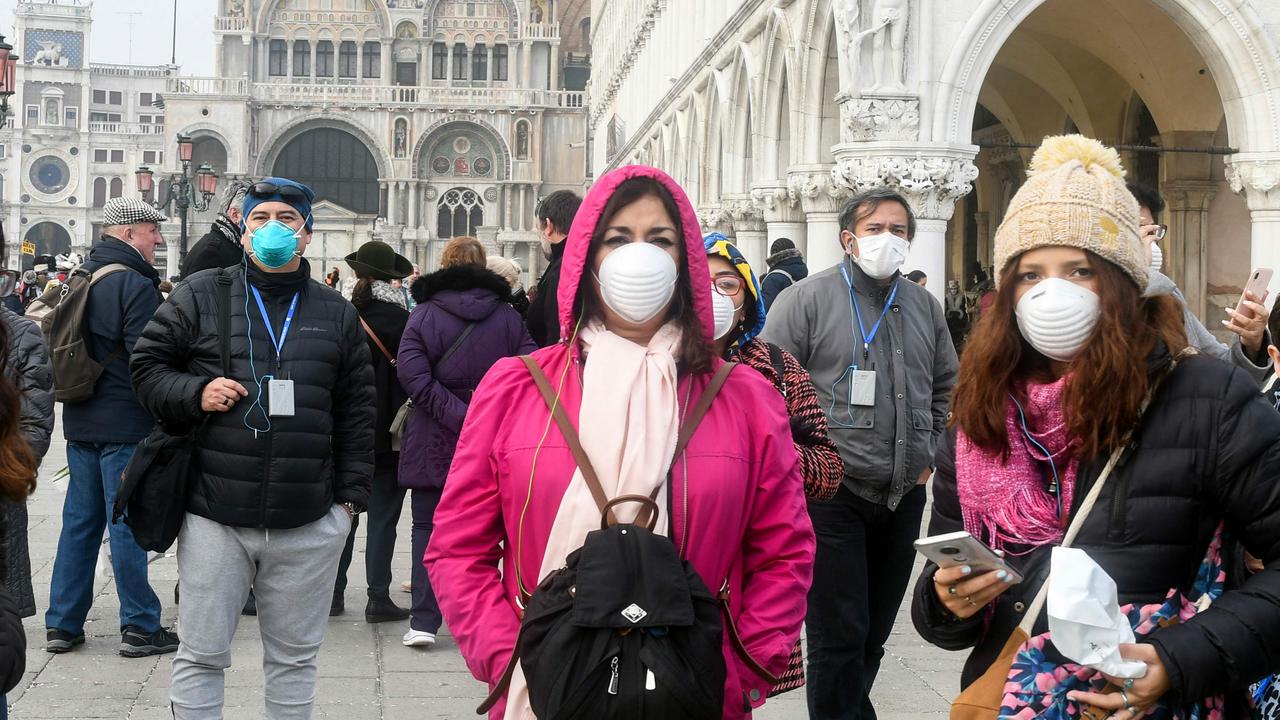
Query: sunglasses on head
{"type": "Point", "coordinates": [288, 193]}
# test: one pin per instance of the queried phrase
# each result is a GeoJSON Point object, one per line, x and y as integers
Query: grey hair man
{"type": "Point", "coordinates": [881, 358]}
{"type": "Point", "coordinates": [220, 247]}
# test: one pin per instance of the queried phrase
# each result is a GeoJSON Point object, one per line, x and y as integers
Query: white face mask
{"type": "Point", "coordinates": [1057, 317]}
{"type": "Point", "coordinates": [726, 313]}
{"type": "Point", "coordinates": [1157, 257]}
{"type": "Point", "coordinates": [637, 281]}
{"type": "Point", "coordinates": [881, 255]}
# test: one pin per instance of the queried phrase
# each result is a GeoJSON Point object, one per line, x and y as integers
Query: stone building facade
{"type": "Point", "coordinates": [415, 120]}
{"type": "Point", "coordinates": [772, 112]}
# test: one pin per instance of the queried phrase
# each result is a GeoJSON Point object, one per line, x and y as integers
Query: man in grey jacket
{"type": "Point", "coordinates": [878, 350]}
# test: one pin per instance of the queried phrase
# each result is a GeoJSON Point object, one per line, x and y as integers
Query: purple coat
{"type": "Point", "coordinates": [448, 301]}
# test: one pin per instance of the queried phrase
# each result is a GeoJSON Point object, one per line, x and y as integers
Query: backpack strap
{"type": "Point", "coordinates": [224, 322]}
{"type": "Point", "coordinates": [779, 364]}
{"type": "Point", "coordinates": [457, 343]}
{"type": "Point", "coordinates": [780, 271]}
{"type": "Point", "coordinates": [731, 627]}
{"type": "Point", "coordinates": [377, 341]}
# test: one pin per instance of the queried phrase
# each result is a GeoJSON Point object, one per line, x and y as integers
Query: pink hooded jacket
{"type": "Point", "coordinates": [746, 521]}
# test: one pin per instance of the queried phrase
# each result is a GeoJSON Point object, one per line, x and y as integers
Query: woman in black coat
{"type": "Point", "coordinates": [1052, 385]}
{"type": "Point", "coordinates": [383, 315]}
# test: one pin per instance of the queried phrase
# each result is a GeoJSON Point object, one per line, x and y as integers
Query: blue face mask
{"type": "Point", "coordinates": [275, 244]}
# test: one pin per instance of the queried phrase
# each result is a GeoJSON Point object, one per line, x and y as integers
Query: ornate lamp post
{"type": "Point", "coordinates": [8, 84]}
{"type": "Point", "coordinates": [182, 192]}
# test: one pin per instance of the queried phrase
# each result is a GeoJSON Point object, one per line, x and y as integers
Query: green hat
{"type": "Point", "coordinates": [375, 259]}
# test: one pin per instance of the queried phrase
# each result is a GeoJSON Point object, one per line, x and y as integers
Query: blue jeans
{"type": "Point", "coordinates": [91, 494]}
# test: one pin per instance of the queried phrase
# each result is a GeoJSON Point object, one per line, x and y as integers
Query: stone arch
{"type": "Point", "coordinates": [712, 153]}
{"type": "Point", "coordinates": [739, 148]}
{"type": "Point", "coordinates": [487, 131]}
{"type": "Point", "coordinates": [269, 8]}
{"type": "Point", "coordinates": [288, 132]}
{"type": "Point", "coordinates": [776, 118]}
{"type": "Point", "coordinates": [513, 16]}
{"type": "Point", "coordinates": [1244, 65]}
{"type": "Point", "coordinates": [818, 66]}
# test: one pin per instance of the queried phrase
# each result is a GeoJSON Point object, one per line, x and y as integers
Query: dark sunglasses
{"type": "Point", "coordinates": [288, 193]}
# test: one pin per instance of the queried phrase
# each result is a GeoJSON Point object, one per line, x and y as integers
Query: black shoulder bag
{"type": "Point", "coordinates": [153, 489]}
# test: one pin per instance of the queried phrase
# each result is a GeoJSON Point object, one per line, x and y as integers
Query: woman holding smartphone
{"type": "Point", "coordinates": [1055, 383]}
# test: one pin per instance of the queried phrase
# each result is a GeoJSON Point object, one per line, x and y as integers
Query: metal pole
{"type": "Point", "coordinates": [173, 60]}
{"type": "Point", "coordinates": [182, 210]}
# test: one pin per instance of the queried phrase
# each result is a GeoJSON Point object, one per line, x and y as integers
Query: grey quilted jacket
{"type": "Point", "coordinates": [28, 367]}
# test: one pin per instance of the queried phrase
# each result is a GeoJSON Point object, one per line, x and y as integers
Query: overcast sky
{"type": "Point", "coordinates": [152, 31]}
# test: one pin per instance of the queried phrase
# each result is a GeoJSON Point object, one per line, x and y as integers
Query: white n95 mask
{"type": "Point", "coordinates": [724, 311]}
{"type": "Point", "coordinates": [637, 281]}
{"type": "Point", "coordinates": [881, 255]}
{"type": "Point", "coordinates": [1057, 317]}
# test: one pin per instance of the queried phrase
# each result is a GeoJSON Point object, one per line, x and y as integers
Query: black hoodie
{"type": "Point", "coordinates": [543, 315]}
{"type": "Point", "coordinates": [120, 306]}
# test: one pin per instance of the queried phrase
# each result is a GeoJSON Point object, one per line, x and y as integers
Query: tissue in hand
{"type": "Point", "coordinates": [1084, 615]}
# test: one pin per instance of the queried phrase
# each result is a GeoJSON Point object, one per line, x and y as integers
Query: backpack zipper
{"type": "Point", "coordinates": [613, 677]}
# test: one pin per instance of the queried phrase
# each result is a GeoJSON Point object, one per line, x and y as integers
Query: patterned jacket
{"type": "Point", "coordinates": [820, 462]}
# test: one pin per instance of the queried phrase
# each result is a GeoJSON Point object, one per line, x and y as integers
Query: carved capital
{"type": "Point", "coordinates": [864, 119]}
{"type": "Point", "coordinates": [1190, 195]}
{"type": "Point", "coordinates": [932, 184]}
{"type": "Point", "coordinates": [715, 218]}
{"type": "Point", "coordinates": [775, 204]}
{"type": "Point", "coordinates": [744, 213]}
{"type": "Point", "coordinates": [1258, 179]}
{"type": "Point", "coordinates": [814, 190]}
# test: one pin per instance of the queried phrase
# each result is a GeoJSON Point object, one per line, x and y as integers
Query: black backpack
{"type": "Point", "coordinates": [627, 629]}
{"type": "Point", "coordinates": [61, 313]}
{"type": "Point", "coordinates": [153, 489]}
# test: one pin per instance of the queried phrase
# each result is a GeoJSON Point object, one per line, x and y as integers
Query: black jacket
{"type": "Point", "coordinates": [13, 639]}
{"type": "Point", "coordinates": [219, 248]}
{"type": "Point", "coordinates": [786, 268]}
{"type": "Point", "coordinates": [543, 314]}
{"type": "Point", "coordinates": [1208, 450]}
{"type": "Point", "coordinates": [30, 371]}
{"type": "Point", "coordinates": [387, 321]}
{"type": "Point", "coordinates": [120, 305]}
{"type": "Point", "coordinates": [292, 474]}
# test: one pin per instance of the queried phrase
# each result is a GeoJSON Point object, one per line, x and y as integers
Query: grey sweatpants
{"type": "Point", "coordinates": [292, 574]}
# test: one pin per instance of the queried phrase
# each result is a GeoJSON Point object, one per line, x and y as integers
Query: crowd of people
{"type": "Point", "coordinates": [637, 484]}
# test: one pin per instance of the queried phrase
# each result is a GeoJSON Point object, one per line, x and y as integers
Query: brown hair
{"type": "Point", "coordinates": [17, 462]}
{"type": "Point", "coordinates": [1109, 379]}
{"type": "Point", "coordinates": [463, 250]}
{"type": "Point", "coordinates": [695, 353]}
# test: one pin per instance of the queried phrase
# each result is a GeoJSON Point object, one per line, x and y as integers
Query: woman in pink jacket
{"type": "Point", "coordinates": [639, 329]}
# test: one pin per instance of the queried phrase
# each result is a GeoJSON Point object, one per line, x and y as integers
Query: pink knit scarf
{"type": "Point", "coordinates": [1006, 502]}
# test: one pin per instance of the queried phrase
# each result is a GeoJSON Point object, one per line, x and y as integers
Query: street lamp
{"type": "Point", "coordinates": [8, 74]}
{"type": "Point", "coordinates": [182, 192]}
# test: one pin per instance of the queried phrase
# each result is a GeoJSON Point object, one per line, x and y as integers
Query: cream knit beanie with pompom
{"type": "Point", "coordinates": [1074, 196]}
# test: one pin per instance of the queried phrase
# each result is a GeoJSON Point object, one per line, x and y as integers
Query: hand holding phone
{"type": "Point", "coordinates": [970, 574]}
{"type": "Point", "coordinates": [1248, 318]}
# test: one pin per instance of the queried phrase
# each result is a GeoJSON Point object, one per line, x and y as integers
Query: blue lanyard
{"type": "Point", "coordinates": [288, 320]}
{"type": "Point", "coordinates": [867, 338]}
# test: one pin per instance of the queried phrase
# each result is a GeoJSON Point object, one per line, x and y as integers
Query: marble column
{"type": "Point", "coordinates": [811, 187]}
{"type": "Point", "coordinates": [931, 178]}
{"type": "Point", "coordinates": [489, 67]}
{"type": "Point", "coordinates": [1188, 185]}
{"type": "Point", "coordinates": [507, 202]}
{"type": "Point", "coordinates": [528, 64]}
{"type": "Point", "coordinates": [388, 63]}
{"type": "Point", "coordinates": [1257, 177]}
{"type": "Point", "coordinates": [749, 230]}
{"type": "Point", "coordinates": [415, 203]}
{"type": "Point", "coordinates": [448, 65]}
{"type": "Point", "coordinates": [781, 217]}
{"type": "Point", "coordinates": [554, 81]}
{"type": "Point", "coordinates": [393, 204]}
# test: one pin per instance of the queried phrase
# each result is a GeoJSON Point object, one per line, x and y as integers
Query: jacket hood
{"type": "Point", "coordinates": [1160, 284]}
{"type": "Point", "coordinates": [719, 245]}
{"type": "Point", "coordinates": [471, 293]}
{"type": "Point", "coordinates": [788, 257]}
{"type": "Point", "coordinates": [573, 264]}
{"type": "Point", "coordinates": [113, 250]}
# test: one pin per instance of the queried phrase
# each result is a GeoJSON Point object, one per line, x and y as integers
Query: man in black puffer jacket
{"type": "Point", "coordinates": [286, 451]}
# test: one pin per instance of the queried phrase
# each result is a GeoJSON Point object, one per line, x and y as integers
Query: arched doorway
{"type": "Point", "coordinates": [50, 238]}
{"type": "Point", "coordinates": [334, 163]}
{"type": "Point", "coordinates": [460, 211]}
{"type": "Point", "coordinates": [1131, 74]}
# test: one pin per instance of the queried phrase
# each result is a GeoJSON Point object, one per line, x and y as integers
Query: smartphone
{"type": "Point", "coordinates": [961, 548]}
{"type": "Point", "coordinates": [1161, 231]}
{"type": "Point", "coordinates": [1257, 285]}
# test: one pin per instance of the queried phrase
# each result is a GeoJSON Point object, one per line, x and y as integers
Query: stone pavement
{"type": "Point", "coordinates": [365, 673]}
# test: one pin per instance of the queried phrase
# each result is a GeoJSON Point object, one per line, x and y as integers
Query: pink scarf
{"type": "Point", "coordinates": [1006, 501]}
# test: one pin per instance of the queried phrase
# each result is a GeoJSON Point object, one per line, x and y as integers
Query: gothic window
{"type": "Point", "coordinates": [277, 58]}
{"type": "Point", "coordinates": [479, 63]}
{"type": "Point", "coordinates": [439, 61]}
{"type": "Point", "coordinates": [461, 211]}
{"type": "Point", "coordinates": [99, 192]}
{"type": "Point", "coordinates": [499, 62]}
{"type": "Point", "coordinates": [117, 187]}
{"type": "Point", "coordinates": [348, 59]}
{"type": "Point", "coordinates": [324, 58]}
{"type": "Point", "coordinates": [301, 58]}
{"type": "Point", "coordinates": [334, 163]}
{"type": "Point", "coordinates": [372, 59]}
{"type": "Point", "coordinates": [459, 62]}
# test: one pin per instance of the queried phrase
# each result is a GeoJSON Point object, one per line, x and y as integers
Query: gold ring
{"type": "Point", "coordinates": [951, 590]}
